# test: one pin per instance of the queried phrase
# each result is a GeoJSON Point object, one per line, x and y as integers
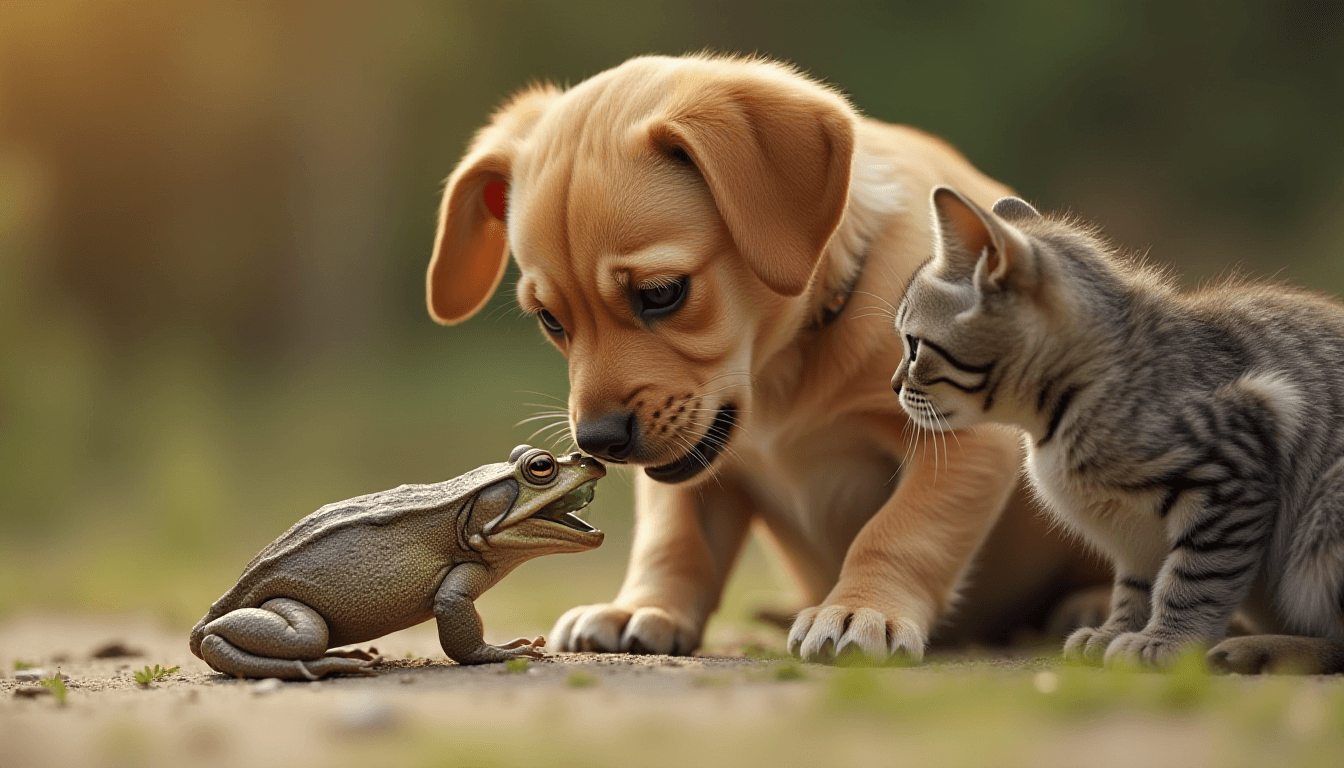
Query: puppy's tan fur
{"type": "Point", "coordinates": [788, 194]}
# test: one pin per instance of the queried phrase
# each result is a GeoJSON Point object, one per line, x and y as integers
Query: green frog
{"type": "Point", "coordinates": [362, 568]}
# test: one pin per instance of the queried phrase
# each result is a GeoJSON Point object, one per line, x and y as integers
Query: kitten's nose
{"type": "Point", "coordinates": [897, 381]}
{"type": "Point", "coordinates": [612, 437]}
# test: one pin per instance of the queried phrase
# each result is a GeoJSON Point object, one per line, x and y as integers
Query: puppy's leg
{"type": "Point", "coordinates": [905, 565]}
{"type": "Point", "coordinates": [686, 541]}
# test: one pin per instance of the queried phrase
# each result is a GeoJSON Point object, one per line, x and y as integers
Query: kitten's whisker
{"type": "Point", "coordinates": [879, 298]}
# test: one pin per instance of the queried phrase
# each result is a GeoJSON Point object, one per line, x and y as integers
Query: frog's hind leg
{"type": "Point", "coordinates": [228, 658]}
{"type": "Point", "coordinates": [283, 638]}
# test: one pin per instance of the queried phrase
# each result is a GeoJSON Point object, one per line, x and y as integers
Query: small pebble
{"type": "Point", "coordinates": [115, 649]}
{"type": "Point", "coordinates": [266, 687]}
{"type": "Point", "coordinates": [30, 675]}
{"type": "Point", "coordinates": [407, 679]}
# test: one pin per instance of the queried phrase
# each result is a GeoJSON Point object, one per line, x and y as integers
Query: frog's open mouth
{"type": "Point", "coordinates": [561, 510]}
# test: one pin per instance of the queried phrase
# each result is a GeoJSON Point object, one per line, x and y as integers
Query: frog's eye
{"type": "Point", "coordinates": [540, 469]}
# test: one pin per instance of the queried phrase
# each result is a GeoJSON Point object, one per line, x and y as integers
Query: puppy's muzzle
{"type": "Point", "coordinates": [612, 437]}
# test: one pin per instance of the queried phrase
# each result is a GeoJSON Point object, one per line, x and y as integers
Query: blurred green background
{"type": "Point", "coordinates": [215, 218]}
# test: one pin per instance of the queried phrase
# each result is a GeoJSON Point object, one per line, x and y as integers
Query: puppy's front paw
{"type": "Point", "coordinates": [1088, 645]}
{"type": "Point", "coordinates": [611, 628]}
{"type": "Point", "coordinates": [826, 633]}
{"type": "Point", "coordinates": [1143, 648]}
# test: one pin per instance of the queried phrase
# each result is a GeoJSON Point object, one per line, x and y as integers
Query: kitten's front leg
{"type": "Point", "coordinates": [1130, 603]}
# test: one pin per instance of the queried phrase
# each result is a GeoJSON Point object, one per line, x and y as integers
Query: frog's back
{"type": "Point", "coordinates": [384, 551]}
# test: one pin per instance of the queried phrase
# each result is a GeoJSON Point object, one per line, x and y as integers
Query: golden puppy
{"type": "Point", "coordinates": [701, 238]}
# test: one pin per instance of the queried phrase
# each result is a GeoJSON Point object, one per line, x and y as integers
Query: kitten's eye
{"type": "Point", "coordinates": [551, 325]}
{"type": "Point", "coordinates": [914, 345]}
{"type": "Point", "coordinates": [661, 300]}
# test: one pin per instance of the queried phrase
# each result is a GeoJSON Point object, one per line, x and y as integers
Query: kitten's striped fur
{"type": "Point", "coordinates": [1195, 439]}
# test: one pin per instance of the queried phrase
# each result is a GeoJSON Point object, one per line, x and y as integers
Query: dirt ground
{"type": "Point", "coordinates": [587, 709]}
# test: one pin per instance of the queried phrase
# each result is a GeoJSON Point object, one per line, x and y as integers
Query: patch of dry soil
{"type": "Point", "coordinates": [199, 717]}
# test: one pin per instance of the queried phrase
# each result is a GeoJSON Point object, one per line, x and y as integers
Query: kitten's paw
{"type": "Point", "coordinates": [611, 628]}
{"type": "Point", "coordinates": [1278, 655]}
{"type": "Point", "coordinates": [1144, 649]}
{"type": "Point", "coordinates": [826, 633]}
{"type": "Point", "coordinates": [1088, 645]}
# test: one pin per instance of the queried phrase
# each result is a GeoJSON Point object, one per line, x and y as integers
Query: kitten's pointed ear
{"type": "Point", "coordinates": [471, 246]}
{"type": "Point", "coordinates": [975, 242]}
{"type": "Point", "coordinates": [1015, 209]}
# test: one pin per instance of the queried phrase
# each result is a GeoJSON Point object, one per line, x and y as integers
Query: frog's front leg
{"type": "Point", "coordinates": [283, 638]}
{"type": "Point", "coordinates": [460, 631]}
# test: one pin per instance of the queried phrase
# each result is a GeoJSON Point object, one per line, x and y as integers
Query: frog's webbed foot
{"type": "Point", "coordinates": [354, 652]}
{"type": "Point", "coordinates": [341, 665]}
{"type": "Point", "coordinates": [228, 658]}
{"type": "Point", "coordinates": [522, 648]}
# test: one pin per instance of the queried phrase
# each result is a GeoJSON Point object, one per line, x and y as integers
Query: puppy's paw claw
{"type": "Point", "coordinates": [610, 628]}
{"type": "Point", "coordinates": [825, 634]}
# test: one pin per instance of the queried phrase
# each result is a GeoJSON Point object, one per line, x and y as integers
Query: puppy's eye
{"type": "Point", "coordinates": [551, 325]}
{"type": "Point", "coordinates": [662, 300]}
{"type": "Point", "coordinates": [914, 345]}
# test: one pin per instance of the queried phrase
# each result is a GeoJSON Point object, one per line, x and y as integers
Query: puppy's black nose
{"type": "Point", "coordinates": [611, 437]}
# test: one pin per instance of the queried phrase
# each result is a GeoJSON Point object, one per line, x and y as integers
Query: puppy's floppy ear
{"type": "Point", "coordinates": [471, 246]}
{"type": "Point", "coordinates": [775, 150]}
{"type": "Point", "coordinates": [973, 242]}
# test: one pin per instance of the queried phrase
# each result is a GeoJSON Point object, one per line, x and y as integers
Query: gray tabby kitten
{"type": "Point", "coordinates": [1195, 439]}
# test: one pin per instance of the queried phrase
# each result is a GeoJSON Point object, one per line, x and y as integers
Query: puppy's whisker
{"type": "Point", "coordinates": [548, 428]}
{"type": "Point", "coordinates": [541, 416]}
{"type": "Point", "coordinates": [707, 427]}
{"type": "Point", "coordinates": [717, 442]}
{"type": "Point", "coordinates": [503, 306]}
{"type": "Point", "coordinates": [700, 457]}
{"type": "Point", "coordinates": [555, 427]}
{"type": "Point", "coordinates": [543, 394]}
{"type": "Point", "coordinates": [726, 374]}
{"type": "Point", "coordinates": [711, 392]}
